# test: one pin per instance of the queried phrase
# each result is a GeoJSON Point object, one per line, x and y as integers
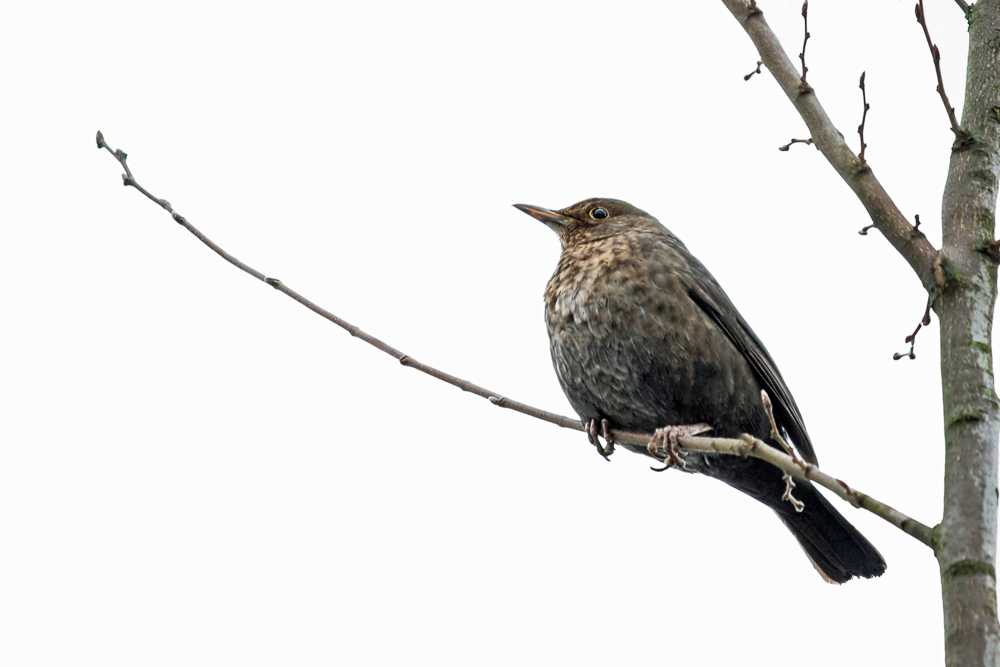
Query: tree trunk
{"type": "Point", "coordinates": [967, 543]}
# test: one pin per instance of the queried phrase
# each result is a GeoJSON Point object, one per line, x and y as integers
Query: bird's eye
{"type": "Point", "coordinates": [599, 213]}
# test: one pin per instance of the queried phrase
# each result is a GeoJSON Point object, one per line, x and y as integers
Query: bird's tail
{"type": "Point", "coordinates": [837, 550]}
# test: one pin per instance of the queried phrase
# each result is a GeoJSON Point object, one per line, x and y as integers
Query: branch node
{"type": "Point", "coordinates": [991, 248]}
{"type": "Point", "coordinates": [756, 71]}
{"type": "Point", "coordinates": [851, 494]}
{"type": "Point", "coordinates": [864, 230]}
{"type": "Point", "coordinates": [940, 275]}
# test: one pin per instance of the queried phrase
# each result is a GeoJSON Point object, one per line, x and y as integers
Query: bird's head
{"type": "Point", "coordinates": [593, 219]}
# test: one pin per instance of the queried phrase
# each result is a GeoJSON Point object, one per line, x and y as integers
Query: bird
{"type": "Point", "coordinates": [643, 338]}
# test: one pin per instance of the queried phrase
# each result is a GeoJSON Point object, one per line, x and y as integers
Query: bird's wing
{"type": "Point", "coordinates": [707, 293]}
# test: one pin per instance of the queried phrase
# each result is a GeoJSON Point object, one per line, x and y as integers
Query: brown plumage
{"type": "Point", "coordinates": [643, 336]}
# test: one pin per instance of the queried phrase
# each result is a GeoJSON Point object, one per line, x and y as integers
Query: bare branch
{"type": "Point", "coordinates": [912, 338]}
{"type": "Point", "coordinates": [864, 116]}
{"type": "Point", "coordinates": [746, 446]}
{"type": "Point", "coordinates": [807, 142]}
{"type": "Point", "coordinates": [965, 7]}
{"type": "Point", "coordinates": [886, 216]}
{"type": "Point", "coordinates": [960, 135]}
{"type": "Point", "coordinates": [805, 40]}
{"type": "Point", "coordinates": [404, 359]}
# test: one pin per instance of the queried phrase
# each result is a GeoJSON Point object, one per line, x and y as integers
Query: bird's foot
{"type": "Point", "coordinates": [608, 449]}
{"type": "Point", "coordinates": [664, 444]}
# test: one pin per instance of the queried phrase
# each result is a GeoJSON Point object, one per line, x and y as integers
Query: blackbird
{"type": "Point", "coordinates": [643, 337]}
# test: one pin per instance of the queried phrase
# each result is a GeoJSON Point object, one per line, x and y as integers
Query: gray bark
{"type": "Point", "coordinates": [967, 541]}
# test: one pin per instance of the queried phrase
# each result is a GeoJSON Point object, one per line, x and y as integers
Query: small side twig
{"type": "Point", "coordinates": [965, 7]}
{"type": "Point", "coordinates": [912, 338]}
{"type": "Point", "coordinates": [805, 40]}
{"type": "Point", "coordinates": [916, 227]}
{"type": "Point", "coordinates": [743, 446]}
{"type": "Point", "coordinates": [864, 116]}
{"type": "Point", "coordinates": [776, 434]}
{"type": "Point", "coordinates": [936, 55]}
{"type": "Point", "coordinates": [756, 71]}
{"type": "Point", "coordinates": [864, 230]}
{"type": "Point", "coordinates": [785, 148]}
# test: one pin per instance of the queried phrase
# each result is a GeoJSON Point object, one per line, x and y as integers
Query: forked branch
{"type": "Point", "coordinates": [884, 213]}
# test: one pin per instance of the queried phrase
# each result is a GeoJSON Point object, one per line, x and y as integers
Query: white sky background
{"type": "Point", "coordinates": [196, 470]}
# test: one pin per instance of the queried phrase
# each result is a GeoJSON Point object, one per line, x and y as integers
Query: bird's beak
{"type": "Point", "coordinates": [551, 219]}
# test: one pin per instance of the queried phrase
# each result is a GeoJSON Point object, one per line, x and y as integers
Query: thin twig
{"type": "Point", "coordinates": [936, 56]}
{"type": "Point", "coordinates": [885, 215]}
{"type": "Point", "coordinates": [785, 148]}
{"type": "Point", "coordinates": [965, 7]}
{"type": "Point", "coordinates": [802, 56]}
{"type": "Point", "coordinates": [746, 446]}
{"type": "Point", "coordinates": [912, 338]}
{"type": "Point", "coordinates": [404, 359]}
{"type": "Point", "coordinates": [864, 116]}
{"type": "Point", "coordinates": [776, 434]}
{"type": "Point", "coordinates": [756, 71]}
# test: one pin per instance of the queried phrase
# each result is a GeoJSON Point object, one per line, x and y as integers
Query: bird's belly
{"type": "Point", "coordinates": [644, 366]}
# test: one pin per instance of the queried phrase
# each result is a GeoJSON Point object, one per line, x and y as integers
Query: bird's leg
{"type": "Point", "coordinates": [664, 444]}
{"type": "Point", "coordinates": [609, 448]}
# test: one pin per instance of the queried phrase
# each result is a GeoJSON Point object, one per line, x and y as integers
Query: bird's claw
{"type": "Point", "coordinates": [592, 435]}
{"type": "Point", "coordinates": [664, 444]}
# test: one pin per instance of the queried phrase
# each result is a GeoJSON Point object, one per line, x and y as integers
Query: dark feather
{"type": "Point", "coordinates": [707, 293]}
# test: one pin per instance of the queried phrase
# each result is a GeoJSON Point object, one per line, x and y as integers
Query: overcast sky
{"type": "Point", "coordinates": [196, 470]}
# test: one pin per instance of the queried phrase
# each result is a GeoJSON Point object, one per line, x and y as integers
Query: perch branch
{"type": "Point", "coordinates": [744, 446]}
